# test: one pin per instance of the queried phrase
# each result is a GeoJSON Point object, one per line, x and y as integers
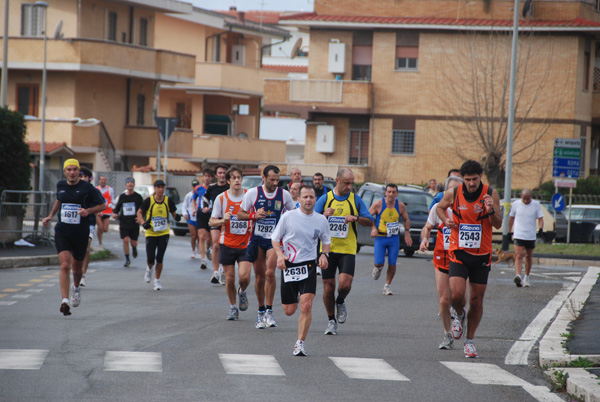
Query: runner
{"type": "Point", "coordinates": [154, 215]}
{"type": "Point", "coordinates": [103, 219]}
{"type": "Point", "coordinates": [189, 214]}
{"type": "Point", "coordinates": [295, 193]}
{"type": "Point", "coordinates": [129, 224]}
{"type": "Point", "coordinates": [475, 209]}
{"type": "Point", "coordinates": [438, 197]}
{"type": "Point", "coordinates": [441, 261]}
{"type": "Point", "coordinates": [76, 199]}
{"type": "Point", "coordinates": [202, 218]}
{"type": "Point", "coordinates": [264, 205]}
{"type": "Point", "coordinates": [233, 240]}
{"type": "Point", "coordinates": [208, 200]}
{"type": "Point", "coordinates": [295, 177]}
{"type": "Point", "coordinates": [318, 183]}
{"type": "Point", "coordinates": [86, 175]}
{"type": "Point", "coordinates": [298, 231]}
{"type": "Point", "coordinates": [386, 233]}
{"type": "Point", "coordinates": [343, 209]}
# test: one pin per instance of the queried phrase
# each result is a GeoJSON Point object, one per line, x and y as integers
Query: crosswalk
{"type": "Point", "coordinates": [372, 369]}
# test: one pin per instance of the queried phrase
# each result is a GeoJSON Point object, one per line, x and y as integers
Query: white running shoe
{"type": "Point", "coordinates": [243, 305]}
{"type": "Point", "coordinates": [221, 275]}
{"type": "Point", "coordinates": [319, 271]}
{"type": "Point", "coordinates": [517, 281]}
{"type": "Point", "coordinates": [299, 348]}
{"type": "Point", "coordinates": [260, 320]}
{"type": "Point", "coordinates": [76, 297]}
{"type": "Point", "coordinates": [270, 319]}
{"type": "Point", "coordinates": [82, 282]}
{"type": "Point", "coordinates": [458, 324]}
{"type": "Point", "coordinates": [203, 264]}
{"type": "Point", "coordinates": [387, 290]}
{"type": "Point", "coordinates": [234, 314]}
{"type": "Point", "coordinates": [215, 277]}
{"type": "Point", "coordinates": [193, 256]}
{"type": "Point", "coordinates": [331, 328]}
{"type": "Point", "coordinates": [148, 275]}
{"type": "Point", "coordinates": [342, 313]}
{"type": "Point", "coordinates": [157, 285]}
{"type": "Point", "coordinates": [470, 351]}
{"type": "Point", "coordinates": [376, 272]}
{"type": "Point", "coordinates": [525, 281]}
{"type": "Point", "coordinates": [447, 342]}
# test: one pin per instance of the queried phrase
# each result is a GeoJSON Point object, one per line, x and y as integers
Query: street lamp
{"type": "Point", "coordinates": [42, 146]}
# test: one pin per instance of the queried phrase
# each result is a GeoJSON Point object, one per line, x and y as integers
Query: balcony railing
{"type": "Point", "coordinates": [143, 141]}
{"type": "Point", "coordinates": [238, 150]}
{"type": "Point", "coordinates": [228, 76]}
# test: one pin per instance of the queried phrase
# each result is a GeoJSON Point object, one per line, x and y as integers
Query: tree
{"type": "Point", "coordinates": [14, 152]}
{"type": "Point", "coordinates": [474, 76]}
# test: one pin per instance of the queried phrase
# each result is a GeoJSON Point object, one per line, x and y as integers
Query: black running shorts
{"type": "Point", "coordinates": [155, 248]}
{"type": "Point", "coordinates": [474, 267]}
{"type": "Point", "coordinates": [133, 233]}
{"type": "Point", "coordinates": [343, 262]}
{"type": "Point", "coordinates": [528, 244]}
{"type": "Point", "coordinates": [230, 255]}
{"type": "Point", "coordinates": [77, 245]}
{"type": "Point", "coordinates": [291, 291]}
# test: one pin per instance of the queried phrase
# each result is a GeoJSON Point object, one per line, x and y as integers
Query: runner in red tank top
{"type": "Point", "coordinates": [475, 209]}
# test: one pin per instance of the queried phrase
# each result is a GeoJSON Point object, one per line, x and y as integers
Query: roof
{"type": "Point", "coordinates": [286, 68]}
{"type": "Point", "coordinates": [313, 19]}
{"type": "Point", "coordinates": [50, 148]}
{"type": "Point", "coordinates": [239, 20]}
{"type": "Point", "coordinates": [266, 17]}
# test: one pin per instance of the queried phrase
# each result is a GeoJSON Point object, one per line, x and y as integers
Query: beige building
{"type": "Point", "coordinates": [112, 66]}
{"type": "Point", "coordinates": [404, 91]}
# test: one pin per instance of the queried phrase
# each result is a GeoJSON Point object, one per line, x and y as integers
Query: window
{"type": "Point", "coordinates": [362, 55]}
{"type": "Point", "coordinates": [587, 64]}
{"type": "Point", "coordinates": [32, 20]}
{"type": "Point", "coordinates": [216, 56]}
{"type": "Point", "coordinates": [358, 152]}
{"type": "Point", "coordinates": [367, 196]}
{"type": "Point", "coordinates": [597, 5]}
{"type": "Point", "coordinates": [407, 50]}
{"type": "Point", "coordinates": [143, 32]}
{"type": "Point", "coordinates": [141, 103]}
{"type": "Point", "coordinates": [27, 99]}
{"type": "Point", "coordinates": [403, 142]}
{"type": "Point", "coordinates": [183, 112]}
{"type": "Point", "coordinates": [111, 29]}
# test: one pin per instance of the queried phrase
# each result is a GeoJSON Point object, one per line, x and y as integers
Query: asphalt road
{"type": "Point", "coordinates": [127, 342]}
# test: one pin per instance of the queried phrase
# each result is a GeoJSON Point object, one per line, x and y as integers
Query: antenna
{"type": "Point", "coordinates": [296, 48]}
{"type": "Point", "coordinates": [57, 32]}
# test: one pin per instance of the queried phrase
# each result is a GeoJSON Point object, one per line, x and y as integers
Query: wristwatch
{"type": "Point", "coordinates": [325, 254]}
{"type": "Point", "coordinates": [493, 212]}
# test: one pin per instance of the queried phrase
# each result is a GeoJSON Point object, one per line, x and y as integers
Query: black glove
{"type": "Point", "coordinates": [146, 225]}
{"type": "Point", "coordinates": [177, 217]}
{"type": "Point", "coordinates": [540, 232]}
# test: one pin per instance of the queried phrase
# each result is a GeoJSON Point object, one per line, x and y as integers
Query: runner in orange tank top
{"type": "Point", "coordinates": [475, 210]}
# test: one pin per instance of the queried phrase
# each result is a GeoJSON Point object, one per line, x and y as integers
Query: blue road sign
{"type": "Point", "coordinates": [564, 172]}
{"type": "Point", "coordinates": [166, 125]}
{"type": "Point", "coordinates": [558, 202]}
{"type": "Point", "coordinates": [569, 163]}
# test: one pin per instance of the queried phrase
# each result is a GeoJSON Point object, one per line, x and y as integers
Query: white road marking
{"type": "Point", "coordinates": [485, 374]}
{"type": "Point", "coordinates": [542, 394]}
{"type": "Point", "coordinates": [21, 296]}
{"type": "Point", "coordinates": [34, 290]}
{"type": "Point", "coordinates": [7, 303]}
{"type": "Point", "coordinates": [250, 364]}
{"type": "Point", "coordinates": [47, 285]}
{"type": "Point", "coordinates": [22, 359]}
{"type": "Point", "coordinates": [518, 353]}
{"type": "Point", "coordinates": [368, 369]}
{"type": "Point", "coordinates": [133, 361]}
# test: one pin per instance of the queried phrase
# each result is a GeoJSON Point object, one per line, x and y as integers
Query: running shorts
{"type": "Point", "coordinates": [474, 267]}
{"type": "Point", "coordinates": [77, 245]}
{"type": "Point", "coordinates": [291, 291]}
{"type": "Point", "coordinates": [528, 244]}
{"type": "Point", "coordinates": [155, 248]}
{"type": "Point", "coordinates": [344, 262]}
{"type": "Point", "coordinates": [202, 220]}
{"type": "Point", "coordinates": [133, 233]}
{"type": "Point", "coordinates": [254, 244]}
{"type": "Point", "coordinates": [389, 244]}
{"type": "Point", "coordinates": [230, 255]}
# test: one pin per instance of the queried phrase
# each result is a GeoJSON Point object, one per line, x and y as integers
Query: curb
{"type": "Point", "coordinates": [20, 262]}
{"type": "Point", "coordinates": [551, 351]}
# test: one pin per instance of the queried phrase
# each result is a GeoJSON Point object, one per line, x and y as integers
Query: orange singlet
{"type": "Point", "coordinates": [440, 252]}
{"type": "Point", "coordinates": [108, 198]}
{"type": "Point", "coordinates": [234, 233]}
{"type": "Point", "coordinates": [473, 233]}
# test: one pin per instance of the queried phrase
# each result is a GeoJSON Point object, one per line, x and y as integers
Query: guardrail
{"type": "Point", "coordinates": [21, 214]}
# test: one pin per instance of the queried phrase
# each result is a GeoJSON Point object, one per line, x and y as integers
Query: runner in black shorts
{"type": "Point", "coordinates": [298, 231]}
{"type": "Point", "coordinates": [76, 200]}
{"type": "Point", "coordinates": [212, 192]}
{"type": "Point", "coordinates": [86, 175]}
{"type": "Point", "coordinates": [202, 216]}
{"type": "Point", "coordinates": [126, 211]}
{"type": "Point", "coordinates": [345, 263]}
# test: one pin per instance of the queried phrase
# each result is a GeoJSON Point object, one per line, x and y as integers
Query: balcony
{"type": "Point", "coordinates": [231, 78]}
{"type": "Point", "coordinates": [219, 148]}
{"type": "Point", "coordinates": [143, 141]}
{"type": "Point", "coordinates": [101, 56]}
{"type": "Point", "coordinates": [318, 96]}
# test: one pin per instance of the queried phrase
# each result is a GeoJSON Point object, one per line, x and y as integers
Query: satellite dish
{"type": "Point", "coordinates": [87, 122]}
{"type": "Point", "coordinates": [296, 48]}
{"type": "Point", "coordinates": [57, 32]}
{"type": "Point", "coordinates": [242, 135]}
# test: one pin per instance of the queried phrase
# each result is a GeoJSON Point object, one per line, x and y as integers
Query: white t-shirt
{"type": "Point", "coordinates": [300, 233]}
{"type": "Point", "coordinates": [526, 216]}
{"type": "Point", "coordinates": [217, 211]}
{"type": "Point", "coordinates": [188, 206]}
{"type": "Point", "coordinates": [252, 195]}
{"type": "Point", "coordinates": [434, 218]}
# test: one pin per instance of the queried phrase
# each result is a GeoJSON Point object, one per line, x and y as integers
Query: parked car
{"type": "Point", "coordinates": [255, 181]}
{"type": "Point", "coordinates": [417, 205]}
{"type": "Point", "coordinates": [147, 189]}
{"type": "Point", "coordinates": [548, 231]}
{"type": "Point", "coordinates": [179, 228]}
{"type": "Point", "coordinates": [585, 223]}
{"type": "Point", "coordinates": [560, 223]}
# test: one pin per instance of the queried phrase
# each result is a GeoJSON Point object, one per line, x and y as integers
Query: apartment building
{"type": "Point", "coordinates": [404, 90]}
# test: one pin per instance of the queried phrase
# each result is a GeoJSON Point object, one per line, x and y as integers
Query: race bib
{"type": "Point", "coordinates": [129, 209]}
{"type": "Point", "coordinates": [68, 214]}
{"type": "Point", "coordinates": [295, 274]}
{"type": "Point", "coordinates": [337, 227]}
{"type": "Point", "coordinates": [469, 236]}
{"type": "Point", "coordinates": [393, 228]}
{"type": "Point", "coordinates": [264, 227]}
{"type": "Point", "coordinates": [446, 234]}
{"type": "Point", "coordinates": [237, 227]}
{"type": "Point", "coordinates": [159, 223]}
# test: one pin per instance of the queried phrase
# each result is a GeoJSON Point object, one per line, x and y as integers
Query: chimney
{"type": "Point", "coordinates": [241, 17]}
{"type": "Point", "coordinates": [232, 8]}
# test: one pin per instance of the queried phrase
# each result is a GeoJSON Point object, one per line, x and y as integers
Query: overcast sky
{"type": "Point", "coordinates": [244, 5]}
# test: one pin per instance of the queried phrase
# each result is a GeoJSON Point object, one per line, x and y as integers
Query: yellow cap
{"type": "Point", "coordinates": [71, 162]}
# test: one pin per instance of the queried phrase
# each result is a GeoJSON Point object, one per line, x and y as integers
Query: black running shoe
{"type": "Point", "coordinates": [65, 309]}
{"type": "Point", "coordinates": [127, 263]}
{"type": "Point", "coordinates": [134, 252]}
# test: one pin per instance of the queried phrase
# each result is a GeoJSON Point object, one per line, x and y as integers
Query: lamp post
{"type": "Point", "coordinates": [42, 145]}
{"type": "Point", "coordinates": [4, 57]}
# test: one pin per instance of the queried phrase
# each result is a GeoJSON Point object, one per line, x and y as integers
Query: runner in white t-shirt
{"type": "Point", "coordinates": [523, 214]}
{"type": "Point", "coordinates": [295, 243]}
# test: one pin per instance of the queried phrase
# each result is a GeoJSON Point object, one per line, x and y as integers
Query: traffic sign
{"type": "Point", "coordinates": [567, 143]}
{"type": "Point", "coordinates": [565, 183]}
{"type": "Point", "coordinates": [567, 157]}
{"type": "Point", "coordinates": [566, 163]}
{"type": "Point", "coordinates": [567, 173]}
{"type": "Point", "coordinates": [567, 152]}
{"type": "Point", "coordinates": [166, 125]}
{"type": "Point", "coordinates": [558, 202]}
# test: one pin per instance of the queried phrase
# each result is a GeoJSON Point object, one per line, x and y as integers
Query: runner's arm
{"type": "Point", "coordinates": [404, 213]}
{"type": "Point", "coordinates": [364, 217]}
{"type": "Point", "coordinates": [425, 232]}
{"type": "Point", "coordinates": [53, 212]}
{"type": "Point", "coordinates": [495, 218]}
{"type": "Point", "coordinates": [443, 205]}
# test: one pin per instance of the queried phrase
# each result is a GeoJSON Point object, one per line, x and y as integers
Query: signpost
{"type": "Point", "coordinates": [565, 167]}
{"type": "Point", "coordinates": [166, 125]}
{"type": "Point", "coordinates": [558, 203]}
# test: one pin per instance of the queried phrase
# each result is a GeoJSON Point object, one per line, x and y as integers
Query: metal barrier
{"type": "Point", "coordinates": [21, 214]}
